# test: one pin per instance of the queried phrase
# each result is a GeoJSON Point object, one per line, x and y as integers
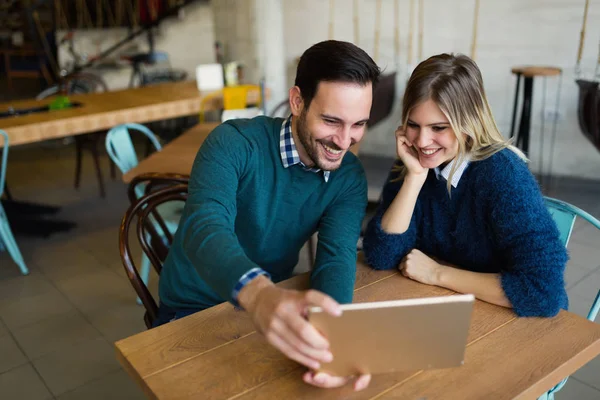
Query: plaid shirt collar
{"type": "Point", "coordinates": [289, 152]}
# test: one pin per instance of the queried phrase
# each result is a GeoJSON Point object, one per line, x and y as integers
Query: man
{"type": "Point", "coordinates": [259, 188]}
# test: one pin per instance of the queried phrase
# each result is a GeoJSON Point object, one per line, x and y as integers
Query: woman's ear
{"type": "Point", "coordinates": [296, 101]}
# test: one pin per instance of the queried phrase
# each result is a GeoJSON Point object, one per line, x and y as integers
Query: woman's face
{"type": "Point", "coordinates": [430, 133]}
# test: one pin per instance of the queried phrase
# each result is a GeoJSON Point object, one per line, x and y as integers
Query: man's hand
{"type": "Point", "coordinates": [280, 315]}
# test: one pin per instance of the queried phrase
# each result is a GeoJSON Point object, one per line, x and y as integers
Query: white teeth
{"type": "Point", "coordinates": [428, 152]}
{"type": "Point", "coordinates": [329, 149]}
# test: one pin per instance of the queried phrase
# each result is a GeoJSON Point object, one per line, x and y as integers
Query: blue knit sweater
{"type": "Point", "coordinates": [494, 221]}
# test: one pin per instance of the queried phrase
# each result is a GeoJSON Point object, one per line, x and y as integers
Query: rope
{"type": "Point", "coordinates": [581, 39]}
{"type": "Point", "coordinates": [421, 23]}
{"type": "Point", "coordinates": [555, 124]}
{"type": "Point", "coordinates": [411, 28]}
{"type": "Point", "coordinates": [377, 30]}
{"type": "Point", "coordinates": [355, 18]}
{"type": "Point", "coordinates": [475, 28]}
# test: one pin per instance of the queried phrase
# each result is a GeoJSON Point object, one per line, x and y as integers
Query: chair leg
{"type": "Point", "coordinates": [78, 156]}
{"type": "Point", "coordinates": [113, 170]}
{"type": "Point", "coordinates": [7, 192]}
{"type": "Point", "coordinates": [144, 273]}
{"type": "Point", "coordinates": [96, 157]}
{"type": "Point", "coordinates": [11, 245]}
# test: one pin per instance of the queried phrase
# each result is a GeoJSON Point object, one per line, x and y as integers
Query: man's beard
{"type": "Point", "coordinates": [310, 147]}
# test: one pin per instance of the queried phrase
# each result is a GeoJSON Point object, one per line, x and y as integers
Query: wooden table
{"type": "Point", "coordinates": [177, 156]}
{"type": "Point", "coordinates": [217, 354]}
{"type": "Point", "coordinates": [104, 110]}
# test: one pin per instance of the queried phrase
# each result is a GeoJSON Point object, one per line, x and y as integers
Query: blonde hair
{"type": "Point", "coordinates": [455, 84]}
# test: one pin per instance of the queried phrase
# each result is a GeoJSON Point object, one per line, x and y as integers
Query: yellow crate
{"type": "Point", "coordinates": [236, 97]}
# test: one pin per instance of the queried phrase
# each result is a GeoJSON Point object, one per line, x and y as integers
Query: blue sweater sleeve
{"type": "Point", "coordinates": [384, 250]}
{"type": "Point", "coordinates": [208, 232]}
{"type": "Point", "coordinates": [527, 238]}
{"type": "Point", "coordinates": [339, 229]}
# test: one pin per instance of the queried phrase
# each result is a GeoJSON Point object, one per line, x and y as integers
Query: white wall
{"type": "Point", "coordinates": [189, 42]}
{"type": "Point", "coordinates": [511, 32]}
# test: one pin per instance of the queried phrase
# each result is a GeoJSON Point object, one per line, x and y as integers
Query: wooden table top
{"type": "Point", "coordinates": [104, 110]}
{"type": "Point", "coordinates": [217, 354]}
{"type": "Point", "coordinates": [177, 156]}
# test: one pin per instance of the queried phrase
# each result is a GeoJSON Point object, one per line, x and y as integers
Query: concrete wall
{"type": "Point", "coordinates": [511, 33]}
{"type": "Point", "coordinates": [188, 41]}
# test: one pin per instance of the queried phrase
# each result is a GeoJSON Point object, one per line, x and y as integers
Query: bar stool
{"type": "Point", "coordinates": [528, 73]}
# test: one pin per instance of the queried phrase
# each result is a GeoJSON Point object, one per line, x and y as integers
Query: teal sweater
{"type": "Point", "coordinates": [246, 210]}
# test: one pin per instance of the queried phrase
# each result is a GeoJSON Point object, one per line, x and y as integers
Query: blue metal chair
{"type": "Point", "coordinates": [7, 240]}
{"type": "Point", "coordinates": [122, 152]}
{"type": "Point", "coordinates": [564, 215]}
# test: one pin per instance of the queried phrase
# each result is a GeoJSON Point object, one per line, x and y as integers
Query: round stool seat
{"type": "Point", "coordinates": [530, 71]}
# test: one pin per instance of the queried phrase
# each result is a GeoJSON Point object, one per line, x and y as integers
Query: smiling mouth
{"type": "Point", "coordinates": [331, 152]}
{"type": "Point", "coordinates": [429, 152]}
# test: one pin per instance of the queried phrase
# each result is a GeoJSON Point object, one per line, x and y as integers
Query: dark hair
{"type": "Point", "coordinates": [334, 61]}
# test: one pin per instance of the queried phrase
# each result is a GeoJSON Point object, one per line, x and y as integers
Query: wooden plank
{"type": "Point", "coordinates": [226, 364]}
{"type": "Point", "coordinates": [173, 343]}
{"type": "Point", "coordinates": [522, 360]}
{"type": "Point", "coordinates": [101, 111]}
{"type": "Point", "coordinates": [486, 319]}
{"type": "Point", "coordinates": [177, 157]}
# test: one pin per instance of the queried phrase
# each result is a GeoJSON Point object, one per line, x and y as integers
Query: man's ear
{"type": "Point", "coordinates": [296, 101]}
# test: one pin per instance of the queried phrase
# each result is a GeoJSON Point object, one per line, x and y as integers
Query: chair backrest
{"type": "Point", "coordinates": [120, 147]}
{"type": "Point", "coordinates": [149, 240]}
{"type": "Point", "coordinates": [564, 215]}
{"type": "Point", "coordinates": [143, 185]}
{"type": "Point", "coordinates": [3, 160]}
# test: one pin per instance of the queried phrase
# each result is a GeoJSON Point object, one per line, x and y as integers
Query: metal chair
{"type": "Point", "coordinates": [564, 215]}
{"type": "Point", "coordinates": [7, 239]}
{"type": "Point", "coordinates": [154, 243]}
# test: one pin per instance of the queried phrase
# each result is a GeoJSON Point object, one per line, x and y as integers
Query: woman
{"type": "Point", "coordinates": [460, 209]}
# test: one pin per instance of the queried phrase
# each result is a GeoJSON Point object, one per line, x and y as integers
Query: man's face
{"type": "Point", "coordinates": [335, 120]}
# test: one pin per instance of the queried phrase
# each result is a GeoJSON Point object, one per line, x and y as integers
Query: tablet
{"type": "Point", "coordinates": [398, 335]}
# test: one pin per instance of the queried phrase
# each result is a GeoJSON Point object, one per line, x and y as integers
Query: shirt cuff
{"type": "Point", "coordinates": [244, 280]}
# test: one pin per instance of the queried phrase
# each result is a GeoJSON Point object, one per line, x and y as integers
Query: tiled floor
{"type": "Point", "coordinates": [58, 325]}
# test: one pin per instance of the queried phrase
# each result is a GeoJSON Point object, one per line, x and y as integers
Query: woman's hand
{"type": "Point", "coordinates": [421, 268]}
{"type": "Point", "coordinates": [408, 154]}
{"type": "Point", "coordinates": [323, 380]}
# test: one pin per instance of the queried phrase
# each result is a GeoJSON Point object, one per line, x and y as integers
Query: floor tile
{"type": "Point", "coordinates": [588, 287]}
{"type": "Point", "coordinates": [590, 373]}
{"type": "Point", "coordinates": [56, 334]}
{"type": "Point", "coordinates": [3, 329]}
{"type": "Point", "coordinates": [120, 322]}
{"type": "Point", "coordinates": [68, 369]}
{"type": "Point", "coordinates": [576, 390]}
{"type": "Point", "coordinates": [115, 386]}
{"type": "Point", "coordinates": [580, 305]}
{"type": "Point", "coordinates": [96, 290]}
{"type": "Point", "coordinates": [10, 354]}
{"type": "Point", "coordinates": [587, 235]}
{"type": "Point", "coordinates": [33, 284]}
{"type": "Point", "coordinates": [22, 311]}
{"type": "Point", "coordinates": [574, 274]}
{"type": "Point", "coordinates": [585, 256]}
{"type": "Point", "coordinates": [23, 383]}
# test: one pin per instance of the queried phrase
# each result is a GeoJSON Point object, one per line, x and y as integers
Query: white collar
{"type": "Point", "coordinates": [445, 173]}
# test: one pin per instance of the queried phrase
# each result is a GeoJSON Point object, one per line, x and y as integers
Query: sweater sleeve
{"type": "Point", "coordinates": [339, 229]}
{"type": "Point", "coordinates": [208, 232]}
{"type": "Point", "coordinates": [384, 250]}
{"type": "Point", "coordinates": [527, 238]}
